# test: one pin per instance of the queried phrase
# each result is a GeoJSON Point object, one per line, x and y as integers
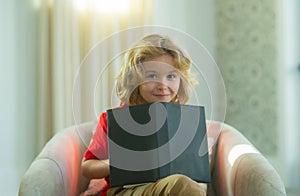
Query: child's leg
{"type": "Point", "coordinates": [172, 185]}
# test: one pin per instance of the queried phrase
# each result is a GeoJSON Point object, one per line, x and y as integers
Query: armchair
{"type": "Point", "coordinates": [237, 168]}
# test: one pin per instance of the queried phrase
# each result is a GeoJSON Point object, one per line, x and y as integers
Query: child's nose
{"type": "Point", "coordinates": [161, 85]}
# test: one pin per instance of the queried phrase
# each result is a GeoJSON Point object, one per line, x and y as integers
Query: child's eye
{"type": "Point", "coordinates": [152, 76]}
{"type": "Point", "coordinates": [171, 76]}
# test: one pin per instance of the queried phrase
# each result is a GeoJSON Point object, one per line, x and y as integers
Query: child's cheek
{"type": "Point", "coordinates": [175, 85]}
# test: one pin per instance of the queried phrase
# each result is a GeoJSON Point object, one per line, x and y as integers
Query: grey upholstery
{"type": "Point", "coordinates": [236, 167]}
{"type": "Point", "coordinates": [56, 170]}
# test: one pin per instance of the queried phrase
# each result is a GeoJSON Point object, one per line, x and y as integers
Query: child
{"type": "Point", "coordinates": [154, 70]}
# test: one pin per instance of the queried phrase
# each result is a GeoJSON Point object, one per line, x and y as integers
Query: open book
{"type": "Point", "coordinates": [151, 141]}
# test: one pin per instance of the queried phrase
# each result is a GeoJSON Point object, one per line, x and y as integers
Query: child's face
{"type": "Point", "coordinates": [161, 80]}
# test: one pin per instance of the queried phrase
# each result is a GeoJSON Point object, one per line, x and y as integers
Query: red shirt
{"type": "Point", "coordinates": [98, 146]}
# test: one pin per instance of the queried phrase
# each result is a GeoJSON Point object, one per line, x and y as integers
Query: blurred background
{"type": "Point", "coordinates": [255, 44]}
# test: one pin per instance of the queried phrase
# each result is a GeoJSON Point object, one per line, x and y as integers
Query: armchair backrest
{"type": "Point", "coordinates": [237, 168]}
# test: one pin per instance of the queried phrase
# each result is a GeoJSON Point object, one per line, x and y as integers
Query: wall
{"type": "Point", "coordinates": [17, 92]}
{"type": "Point", "coordinates": [258, 54]}
{"type": "Point", "coordinates": [196, 18]}
{"type": "Point", "coordinates": [247, 58]}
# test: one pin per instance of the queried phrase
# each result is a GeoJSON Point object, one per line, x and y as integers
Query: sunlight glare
{"type": "Point", "coordinates": [240, 150]}
{"type": "Point", "coordinates": [36, 3]}
{"type": "Point", "coordinates": [81, 5]}
{"type": "Point", "coordinates": [103, 6]}
{"type": "Point", "coordinates": [112, 6]}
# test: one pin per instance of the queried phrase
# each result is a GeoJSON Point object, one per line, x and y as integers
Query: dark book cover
{"type": "Point", "coordinates": [151, 141]}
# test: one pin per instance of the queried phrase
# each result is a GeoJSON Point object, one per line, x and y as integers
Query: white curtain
{"type": "Point", "coordinates": [71, 85]}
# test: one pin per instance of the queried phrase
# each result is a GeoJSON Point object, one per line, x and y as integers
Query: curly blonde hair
{"type": "Point", "coordinates": [151, 46]}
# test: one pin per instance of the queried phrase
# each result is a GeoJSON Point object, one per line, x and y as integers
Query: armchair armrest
{"type": "Point", "coordinates": [56, 170]}
{"type": "Point", "coordinates": [240, 169]}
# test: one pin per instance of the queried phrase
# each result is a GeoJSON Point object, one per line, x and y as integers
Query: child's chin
{"type": "Point", "coordinates": [162, 100]}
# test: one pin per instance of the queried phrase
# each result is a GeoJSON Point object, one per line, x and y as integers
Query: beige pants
{"type": "Point", "coordinates": [172, 185]}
